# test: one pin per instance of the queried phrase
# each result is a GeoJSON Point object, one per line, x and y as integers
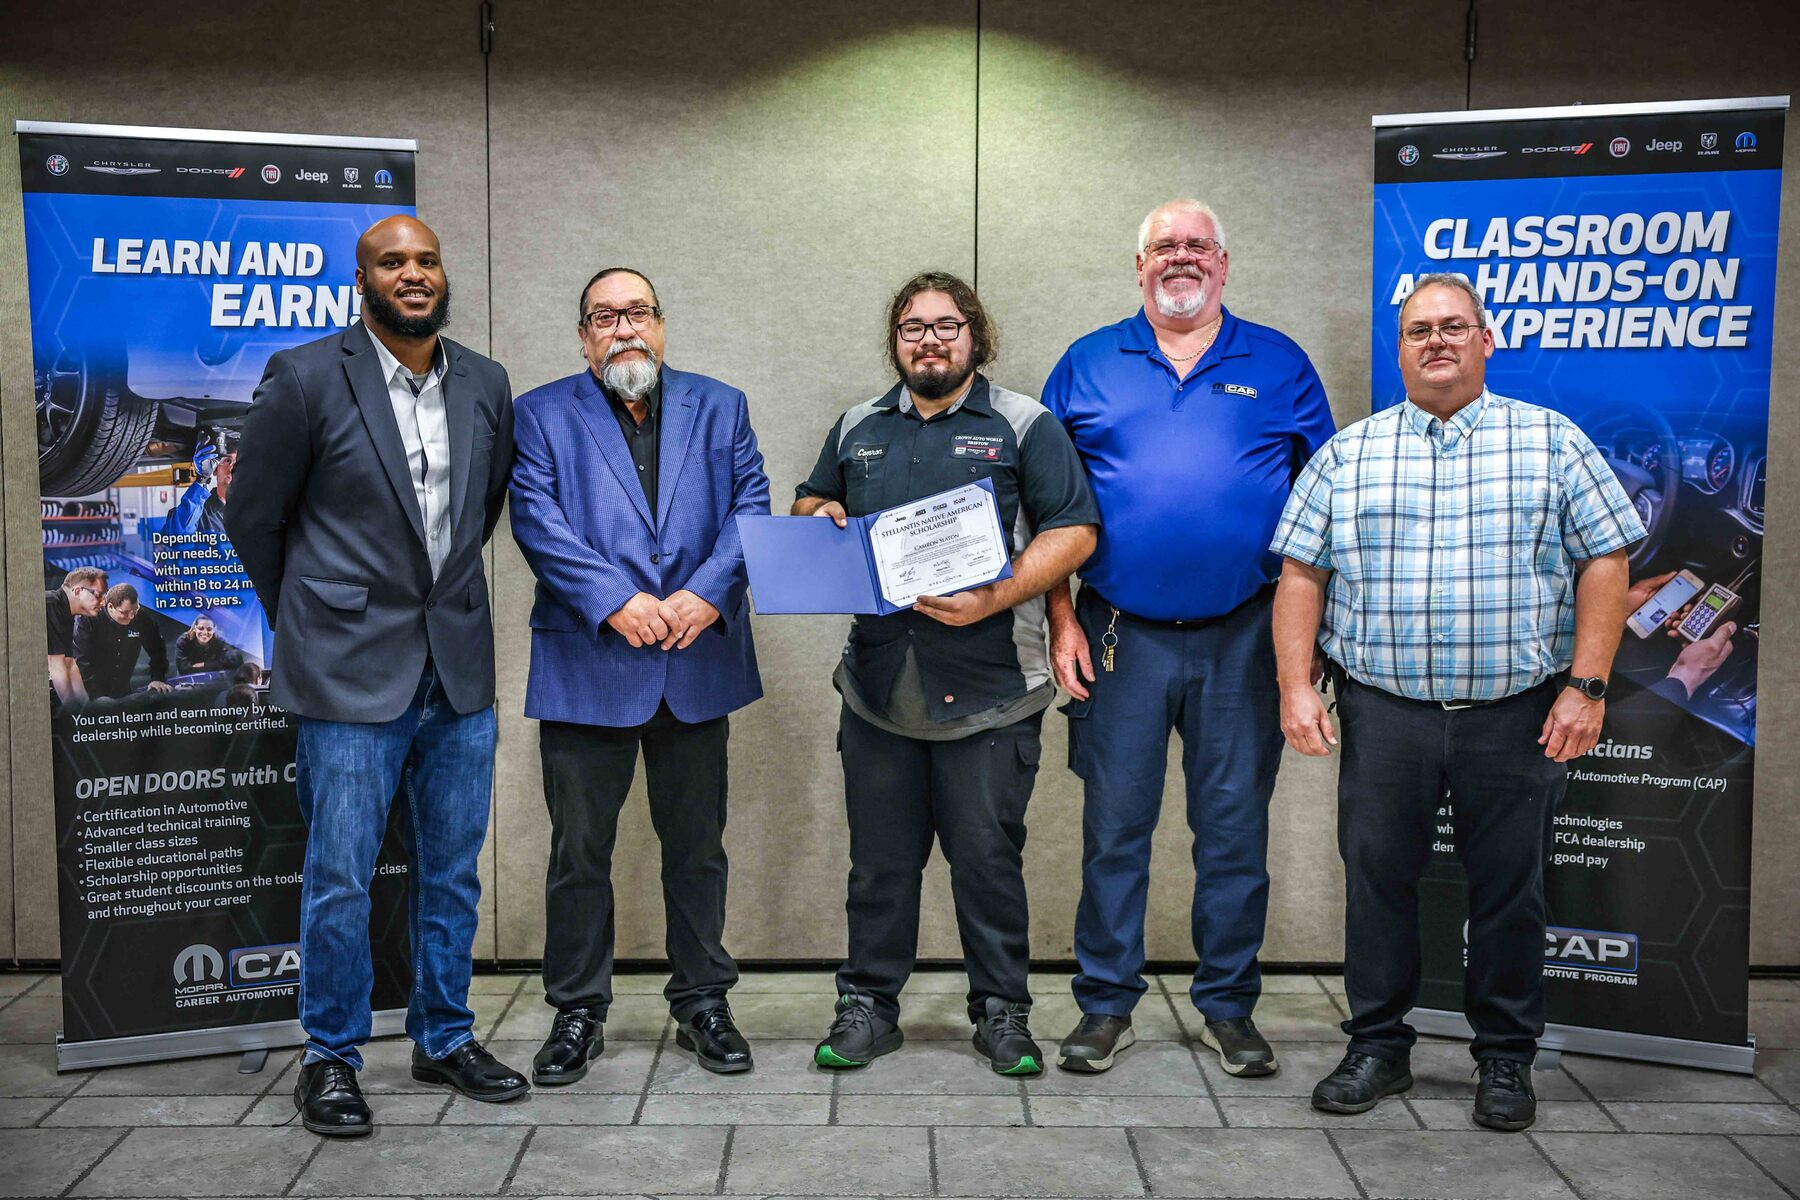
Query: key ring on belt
{"type": "Point", "coordinates": [1109, 641]}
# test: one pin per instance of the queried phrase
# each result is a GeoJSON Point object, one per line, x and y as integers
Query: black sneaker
{"type": "Point", "coordinates": [857, 1036]}
{"type": "Point", "coordinates": [1360, 1081]}
{"type": "Point", "coordinates": [1091, 1045]}
{"type": "Point", "coordinates": [1242, 1050]}
{"type": "Point", "coordinates": [1504, 1098]}
{"type": "Point", "coordinates": [1005, 1038]}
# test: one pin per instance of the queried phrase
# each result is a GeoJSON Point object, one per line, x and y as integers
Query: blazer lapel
{"type": "Point", "coordinates": [677, 427]}
{"type": "Point", "coordinates": [595, 412]}
{"type": "Point", "coordinates": [364, 371]}
{"type": "Point", "coordinates": [459, 415]}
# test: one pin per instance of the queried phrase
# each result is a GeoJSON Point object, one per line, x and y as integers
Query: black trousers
{"type": "Point", "coordinates": [1399, 755]}
{"type": "Point", "coordinates": [971, 794]}
{"type": "Point", "coordinates": [587, 775]}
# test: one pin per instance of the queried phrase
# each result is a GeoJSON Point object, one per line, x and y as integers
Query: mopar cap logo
{"type": "Point", "coordinates": [199, 963]}
{"type": "Point", "coordinates": [262, 966]}
{"type": "Point", "coordinates": [1620, 147]}
{"type": "Point", "coordinates": [1745, 141]}
{"type": "Point", "coordinates": [1591, 949]}
{"type": "Point", "coordinates": [271, 174]}
{"type": "Point", "coordinates": [384, 179]}
{"type": "Point", "coordinates": [56, 164]}
{"type": "Point", "coordinates": [1409, 155]}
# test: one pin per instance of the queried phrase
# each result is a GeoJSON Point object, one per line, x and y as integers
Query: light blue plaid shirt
{"type": "Point", "coordinates": [1452, 544]}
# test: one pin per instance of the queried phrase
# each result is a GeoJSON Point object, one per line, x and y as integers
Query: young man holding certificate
{"type": "Point", "coordinates": [944, 700]}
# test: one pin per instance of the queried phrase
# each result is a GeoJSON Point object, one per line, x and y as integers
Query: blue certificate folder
{"type": "Point", "coordinates": [809, 565]}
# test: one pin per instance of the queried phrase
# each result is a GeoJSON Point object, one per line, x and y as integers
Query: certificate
{"type": "Point", "coordinates": [880, 563]}
{"type": "Point", "coordinates": [945, 543]}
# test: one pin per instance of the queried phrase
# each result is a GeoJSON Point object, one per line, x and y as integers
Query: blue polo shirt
{"type": "Point", "coordinates": [1190, 474]}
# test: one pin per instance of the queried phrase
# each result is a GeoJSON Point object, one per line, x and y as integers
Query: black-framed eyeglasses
{"type": "Point", "coordinates": [1454, 333]}
{"type": "Point", "coordinates": [94, 592]}
{"type": "Point", "coordinates": [600, 320]}
{"type": "Point", "coordinates": [946, 330]}
{"type": "Point", "coordinates": [1196, 247]}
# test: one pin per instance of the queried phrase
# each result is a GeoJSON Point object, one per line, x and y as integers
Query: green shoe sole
{"type": "Point", "coordinates": [825, 1056]}
{"type": "Point", "coordinates": [1025, 1066]}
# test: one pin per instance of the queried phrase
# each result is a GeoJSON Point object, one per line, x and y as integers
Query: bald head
{"type": "Point", "coordinates": [400, 273]}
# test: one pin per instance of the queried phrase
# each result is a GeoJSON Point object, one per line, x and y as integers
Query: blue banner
{"type": "Point", "coordinates": [1627, 262]}
{"type": "Point", "coordinates": [163, 272]}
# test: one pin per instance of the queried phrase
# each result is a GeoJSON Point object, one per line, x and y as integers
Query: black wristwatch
{"type": "Point", "coordinates": [1591, 686]}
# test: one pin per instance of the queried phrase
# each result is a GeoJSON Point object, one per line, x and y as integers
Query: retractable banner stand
{"type": "Point", "coordinates": [1626, 257]}
{"type": "Point", "coordinates": [165, 266]}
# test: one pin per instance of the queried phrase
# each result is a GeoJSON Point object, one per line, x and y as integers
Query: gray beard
{"type": "Point", "coordinates": [629, 380]}
{"type": "Point", "coordinates": [1169, 306]}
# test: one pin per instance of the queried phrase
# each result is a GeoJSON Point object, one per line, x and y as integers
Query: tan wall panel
{"type": "Point", "coordinates": [327, 67]}
{"type": "Point", "coordinates": [1263, 110]}
{"type": "Point", "coordinates": [1621, 53]}
{"type": "Point", "coordinates": [777, 169]}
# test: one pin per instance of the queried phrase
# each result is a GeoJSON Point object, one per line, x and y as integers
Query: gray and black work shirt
{"type": "Point", "coordinates": [905, 672]}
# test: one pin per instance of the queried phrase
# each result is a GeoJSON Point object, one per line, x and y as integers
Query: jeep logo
{"type": "Point", "coordinates": [312, 176]}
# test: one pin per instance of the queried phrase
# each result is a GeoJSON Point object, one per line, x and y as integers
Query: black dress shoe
{"type": "Point", "coordinates": [715, 1041]}
{"type": "Point", "coordinates": [1360, 1081]}
{"type": "Point", "coordinates": [330, 1102]}
{"type": "Point", "coordinates": [471, 1070]}
{"type": "Point", "coordinates": [1504, 1099]}
{"type": "Point", "coordinates": [574, 1039]}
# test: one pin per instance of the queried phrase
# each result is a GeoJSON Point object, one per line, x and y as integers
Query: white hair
{"type": "Point", "coordinates": [1183, 205]}
{"type": "Point", "coordinates": [1450, 280]}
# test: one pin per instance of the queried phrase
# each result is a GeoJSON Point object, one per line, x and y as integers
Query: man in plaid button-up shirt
{"type": "Point", "coordinates": [1460, 557]}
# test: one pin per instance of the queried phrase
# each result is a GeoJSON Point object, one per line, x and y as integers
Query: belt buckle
{"type": "Point", "coordinates": [1454, 705]}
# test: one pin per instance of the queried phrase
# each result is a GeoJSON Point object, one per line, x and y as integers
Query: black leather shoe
{"type": "Point", "coordinates": [1360, 1081]}
{"type": "Point", "coordinates": [471, 1070]}
{"type": "Point", "coordinates": [1504, 1098]}
{"type": "Point", "coordinates": [574, 1039]}
{"type": "Point", "coordinates": [330, 1102]}
{"type": "Point", "coordinates": [714, 1038]}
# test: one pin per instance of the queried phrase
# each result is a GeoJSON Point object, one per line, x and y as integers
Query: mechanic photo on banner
{"type": "Point", "coordinates": [1626, 257]}
{"type": "Point", "coordinates": [164, 267]}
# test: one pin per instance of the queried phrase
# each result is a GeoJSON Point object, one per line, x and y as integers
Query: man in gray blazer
{"type": "Point", "coordinates": [372, 470]}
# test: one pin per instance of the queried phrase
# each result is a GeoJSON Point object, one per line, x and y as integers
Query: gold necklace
{"type": "Point", "coordinates": [1212, 334]}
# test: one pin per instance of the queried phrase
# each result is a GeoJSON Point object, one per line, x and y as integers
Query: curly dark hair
{"type": "Point", "coordinates": [984, 337]}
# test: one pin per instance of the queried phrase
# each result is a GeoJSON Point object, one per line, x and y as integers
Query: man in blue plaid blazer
{"type": "Point", "coordinates": [626, 491]}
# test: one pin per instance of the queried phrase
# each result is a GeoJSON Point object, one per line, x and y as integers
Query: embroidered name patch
{"type": "Point", "coordinates": [865, 453]}
{"type": "Point", "coordinates": [969, 445]}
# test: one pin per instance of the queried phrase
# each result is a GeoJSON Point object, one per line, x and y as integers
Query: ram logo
{"type": "Point", "coordinates": [1591, 950]}
{"type": "Point", "coordinates": [199, 963]}
{"type": "Point", "coordinates": [265, 966]}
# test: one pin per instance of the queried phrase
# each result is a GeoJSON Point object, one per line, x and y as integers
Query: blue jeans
{"type": "Point", "coordinates": [441, 763]}
{"type": "Point", "coordinates": [1214, 683]}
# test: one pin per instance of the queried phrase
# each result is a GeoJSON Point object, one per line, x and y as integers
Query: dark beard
{"type": "Point", "coordinates": [388, 315]}
{"type": "Point", "coordinates": [934, 383]}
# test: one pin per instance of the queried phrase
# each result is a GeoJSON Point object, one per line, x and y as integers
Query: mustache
{"type": "Point", "coordinates": [1183, 271]}
{"type": "Point", "coordinates": [621, 347]}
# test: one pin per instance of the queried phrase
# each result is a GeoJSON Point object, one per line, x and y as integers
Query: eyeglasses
{"type": "Point", "coordinates": [94, 592]}
{"type": "Point", "coordinates": [946, 330]}
{"type": "Point", "coordinates": [639, 315]}
{"type": "Point", "coordinates": [1454, 333]}
{"type": "Point", "coordinates": [1196, 247]}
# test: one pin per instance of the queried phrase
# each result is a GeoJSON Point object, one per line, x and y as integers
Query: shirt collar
{"type": "Point", "coordinates": [975, 399]}
{"type": "Point", "coordinates": [390, 364]}
{"type": "Point", "coordinates": [1140, 335]}
{"type": "Point", "coordinates": [1460, 425]}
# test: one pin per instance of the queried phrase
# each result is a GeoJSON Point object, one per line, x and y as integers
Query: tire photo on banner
{"type": "Point", "coordinates": [1626, 257]}
{"type": "Point", "coordinates": [164, 267]}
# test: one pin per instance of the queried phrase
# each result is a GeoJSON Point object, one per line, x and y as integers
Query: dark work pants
{"type": "Point", "coordinates": [1214, 683]}
{"type": "Point", "coordinates": [1399, 756]}
{"type": "Point", "coordinates": [587, 775]}
{"type": "Point", "coordinates": [971, 794]}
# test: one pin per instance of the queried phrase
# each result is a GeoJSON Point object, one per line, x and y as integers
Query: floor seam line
{"type": "Point", "coordinates": [1733, 1139]}
{"type": "Point", "coordinates": [1344, 1162]}
{"type": "Point", "coordinates": [1025, 1105]}
{"type": "Point", "coordinates": [305, 1166]}
{"type": "Point", "coordinates": [931, 1157]}
{"type": "Point", "coordinates": [1618, 1125]}
{"type": "Point", "coordinates": [637, 1114]}
{"type": "Point", "coordinates": [725, 1161]}
{"type": "Point", "coordinates": [1406, 1103]}
{"type": "Point", "coordinates": [1555, 1166]}
{"type": "Point", "coordinates": [1137, 1160]}
{"type": "Point", "coordinates": [518, 1160]}
{"type": "Point", "coordinates": [104, 1155]}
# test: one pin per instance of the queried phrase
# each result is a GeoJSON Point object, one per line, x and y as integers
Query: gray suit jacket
{"type": "Point", "coordinates": [323, 515]}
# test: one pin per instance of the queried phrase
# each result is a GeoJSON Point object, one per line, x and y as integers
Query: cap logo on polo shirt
{"type": "Point", "coordinates": [1236, 389]}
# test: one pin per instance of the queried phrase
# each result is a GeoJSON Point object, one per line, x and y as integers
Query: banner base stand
{"type": "Point", "coordinates": [195, 1043]}
{"type": "Point", "coordinates": [1608, 1043]}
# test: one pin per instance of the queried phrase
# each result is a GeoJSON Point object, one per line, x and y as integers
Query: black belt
{"type": "Point", "coordinates": [1262, 593]}
{"type": "Point", "coordinates": [1339, 677]}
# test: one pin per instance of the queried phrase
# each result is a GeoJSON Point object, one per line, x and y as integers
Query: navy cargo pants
{"type": "Point", "coordinates": [1213, 681]}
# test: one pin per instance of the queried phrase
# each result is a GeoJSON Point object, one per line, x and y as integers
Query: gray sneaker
{"type": "Point", "coordinates": [1095, 1040]}
{"type": "Point", "coordinates": [1242, 1050]}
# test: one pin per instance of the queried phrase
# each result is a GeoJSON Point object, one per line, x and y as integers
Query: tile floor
{"type": "Point", "coordinates": [927, 1121]}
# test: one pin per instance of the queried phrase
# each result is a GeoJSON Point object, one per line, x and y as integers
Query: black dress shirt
{"type": "Point", "coordinates": [641, 439]}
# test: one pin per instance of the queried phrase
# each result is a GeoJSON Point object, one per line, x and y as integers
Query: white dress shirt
{"type": "Point", "coordinates": [425, 432]}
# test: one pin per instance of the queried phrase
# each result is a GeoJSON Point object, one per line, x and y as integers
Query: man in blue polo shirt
{"type": "Point", "coordinates": [1192, 425]}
